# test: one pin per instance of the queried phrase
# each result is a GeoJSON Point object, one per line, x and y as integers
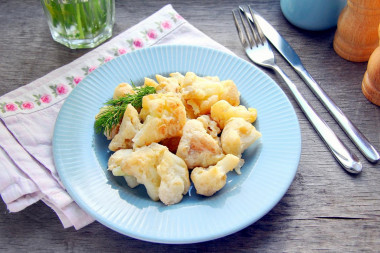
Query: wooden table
{"type": "Point", "coordinates": [325, 208]}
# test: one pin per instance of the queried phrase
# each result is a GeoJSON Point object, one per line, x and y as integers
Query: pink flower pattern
{"type": "Point", "coordinates": [77, 79]}
{"type": "Point", "coordinates": [63, 89]}
{"type": "Point", "coordinates": [122, 51]}
{"type": "Point", "coordinates": [138, 43]}
{"type": "Point", "coordinates": [152, 34]}
{"type": "Point", "coordinates": [92, 68]}
{"type": "Point", "coordinates": [166, 24]}
{"type": "Point", "coordinates": [107, 59]}
{"type": "Point", "coordinates": [45, 98]}
{"type": "Point", "coordinates": [11, 107]}
{"type": "Point", "coordinates": [27, 105]}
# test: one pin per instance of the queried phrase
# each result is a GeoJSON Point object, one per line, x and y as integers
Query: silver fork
{"type": "Point", "coordinates": [259, 51]}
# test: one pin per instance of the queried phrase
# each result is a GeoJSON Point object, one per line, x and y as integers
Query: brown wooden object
{"type": "Point", "coordinates": [356, 35]}
{"type": "Point", "coordinates": [371, 80]}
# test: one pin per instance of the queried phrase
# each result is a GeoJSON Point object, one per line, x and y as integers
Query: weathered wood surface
{"type": "Point", "coordinates": [325, 209]}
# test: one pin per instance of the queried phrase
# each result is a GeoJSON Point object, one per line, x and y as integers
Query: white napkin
{"type": "Point", "coordinates": [28, 115]}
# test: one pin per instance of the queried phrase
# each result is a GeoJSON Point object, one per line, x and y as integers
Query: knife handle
{"type": "Point", "coordinates": [361, 142]}
{"type": "Point", "coordinates": [342, 154]}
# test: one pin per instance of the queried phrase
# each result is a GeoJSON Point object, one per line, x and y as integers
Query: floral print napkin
{"type": "Point", "coordinates": [28, 115]}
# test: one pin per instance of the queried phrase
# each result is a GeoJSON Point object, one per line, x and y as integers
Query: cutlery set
{"type": "Point", "coordinates": [254, 32]}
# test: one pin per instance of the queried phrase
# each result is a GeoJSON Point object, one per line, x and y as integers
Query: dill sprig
{"type": "Point", "coordinates": [113, 112]}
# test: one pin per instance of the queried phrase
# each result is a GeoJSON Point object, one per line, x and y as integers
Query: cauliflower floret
{"type": "Point", "coordinates": [200, 94]}
{"type": "Point", "coordinates": [237, 136]}
{"type": "Point", "coordinates": [142, 164]}
{"type": "Point", "coordinates": [175, 181]}
{"type": "Point", "coordinates": [222, 111]}
{"type": "Point", "coordinates": [167, 84]}
{"type": "Point", "coordinates": [129, 126]}
{"type": "Point", "coordinates": [122, 89]}
{"type": "Point", "coordinates": [179, 77]}
{"type": "Point", "coordinates": [164, 175]}
{"type": "Point", "coordinates": [210, 180]}
{"type": "Point", "coordinates": [197, 147]}
{"type": "Point", "coordinates": [210, 125]}
{"type": "Point", "coordinates": [150, 82]}
{"type": "Point", "coordinates": [114, 165]}
{"type": "Point", "coordinates": [164, 116]}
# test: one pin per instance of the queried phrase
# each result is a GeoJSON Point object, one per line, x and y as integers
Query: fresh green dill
{"type": "Point", "coordinates": [111, 115]}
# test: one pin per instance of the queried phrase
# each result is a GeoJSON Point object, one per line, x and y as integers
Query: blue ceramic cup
{"type": "Point", "coordinates": [314, 15]}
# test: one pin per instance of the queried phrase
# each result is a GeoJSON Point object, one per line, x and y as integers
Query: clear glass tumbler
{"type": "Point", "coordinates": [80, 23]}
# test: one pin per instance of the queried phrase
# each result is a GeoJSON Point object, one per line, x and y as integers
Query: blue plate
{"type": "Point", "coordinates": [81, 156]}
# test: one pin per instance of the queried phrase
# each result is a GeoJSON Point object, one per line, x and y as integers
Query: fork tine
{"type": "Point", "coordinates": [256, 35]}
{"type": "Point", "coordinates": [258, 28]}
{"type": "Point", "coordinates": [240, 33]}
{"type": "Point", "coordinates": [251, 42]}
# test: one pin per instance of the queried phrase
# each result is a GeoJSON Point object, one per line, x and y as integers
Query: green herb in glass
{"type": "Point", "coordinates": [80, 23]}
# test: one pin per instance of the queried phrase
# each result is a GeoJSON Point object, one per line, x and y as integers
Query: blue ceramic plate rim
{"type": "Point", "coordinates": [271, 164]}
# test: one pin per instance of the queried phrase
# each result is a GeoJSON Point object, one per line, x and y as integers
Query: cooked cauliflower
{"type": "Point", "coordinates": [222, 111]}
{"type": "Point", "coordinates": [197, 147]}
{"type": "Point", "coordinates": [191, 122]}
{"type": "Point", "coordinates": [210, 125]}
{"type": "Point", "coordinates": [122, 89]}
{"type": "Point", "coordinates": [129, 126]}
{"type": "Point", "coordinates": [210, 180]}
{"type": "Point", "coordinates": [167, 84]}
{"type": "Point", "coordinates": [164, 116]}
{"type": "Point", "coordinates": [237, 136]}
{"type": "Point", "coordinates": [114, 165]}
{"type": "Point", "coordinates": [200, 94]}
{"type": "Point", "coordinates": [164, 175]}
{"type": "Point", "coordinates": [175, 181]}
{"type": "Point", "coordinates": [179, 77]}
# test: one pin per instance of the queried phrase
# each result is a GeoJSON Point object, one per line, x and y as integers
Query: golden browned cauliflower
{"type": "Point", "coordinates": [114, 165]}
{"type": "Point", "coordinates": [210, 125]}
{"type": "Point", "coordinates": [222, 111]}
{"type": "Point", "coordinates": [164, 116]}
{"type": "Point", "coordinates": [164, 175]}
{"type": "Point", "coordinates": [179, 77]}
{"type": "Point", "coordinates": [129, 126]}
{"type": "Point", "coordinates": [197, 147]}
{"type": "Point", "coordinates": [167, 84]}
{"type": "Point", "coordinates": [210, 180]}
{"type": "Point", "coordinates": [122, 89]}
{"type": "Point", "coordinates": [175, 181]}
{"type": "Point", "coordinates": [199, 93]}
{"type": "Point", "coordinates": [237, 136]}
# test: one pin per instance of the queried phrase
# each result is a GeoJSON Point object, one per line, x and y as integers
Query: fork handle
{"type": "Point", "coordinates": [365, 147]}
{"type": "Point", "coordinates": [349, 161]}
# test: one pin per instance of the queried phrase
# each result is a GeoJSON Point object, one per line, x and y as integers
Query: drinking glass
{"type": "Point", "coordinates": [80, 23]}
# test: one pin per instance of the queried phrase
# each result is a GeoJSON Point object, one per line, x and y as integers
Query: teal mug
{"type": "Point", "coordinates": [314, 15]}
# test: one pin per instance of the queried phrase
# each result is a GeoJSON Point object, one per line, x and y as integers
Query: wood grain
{"type": "Point", "coordinates": [325, 209]}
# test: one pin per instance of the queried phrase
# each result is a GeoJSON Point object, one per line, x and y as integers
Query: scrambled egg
{"type": "Point", "coordinates": [191, 124]}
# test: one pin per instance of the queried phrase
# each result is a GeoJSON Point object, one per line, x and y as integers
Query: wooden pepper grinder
{"type": "Point", "coordinates": [371, 80]}
{"type": "Point", "coordinates": [356, 35]}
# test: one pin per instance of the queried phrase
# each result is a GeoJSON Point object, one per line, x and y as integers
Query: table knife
{"type": "Point", "coordinates": [283, 47]}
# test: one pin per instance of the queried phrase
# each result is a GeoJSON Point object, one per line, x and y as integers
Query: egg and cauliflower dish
{"type": "Point", "coordinates": [187, 129]}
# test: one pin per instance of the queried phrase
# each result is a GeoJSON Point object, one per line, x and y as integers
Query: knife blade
{"type": "Point", "coordinates": [283, 47]}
